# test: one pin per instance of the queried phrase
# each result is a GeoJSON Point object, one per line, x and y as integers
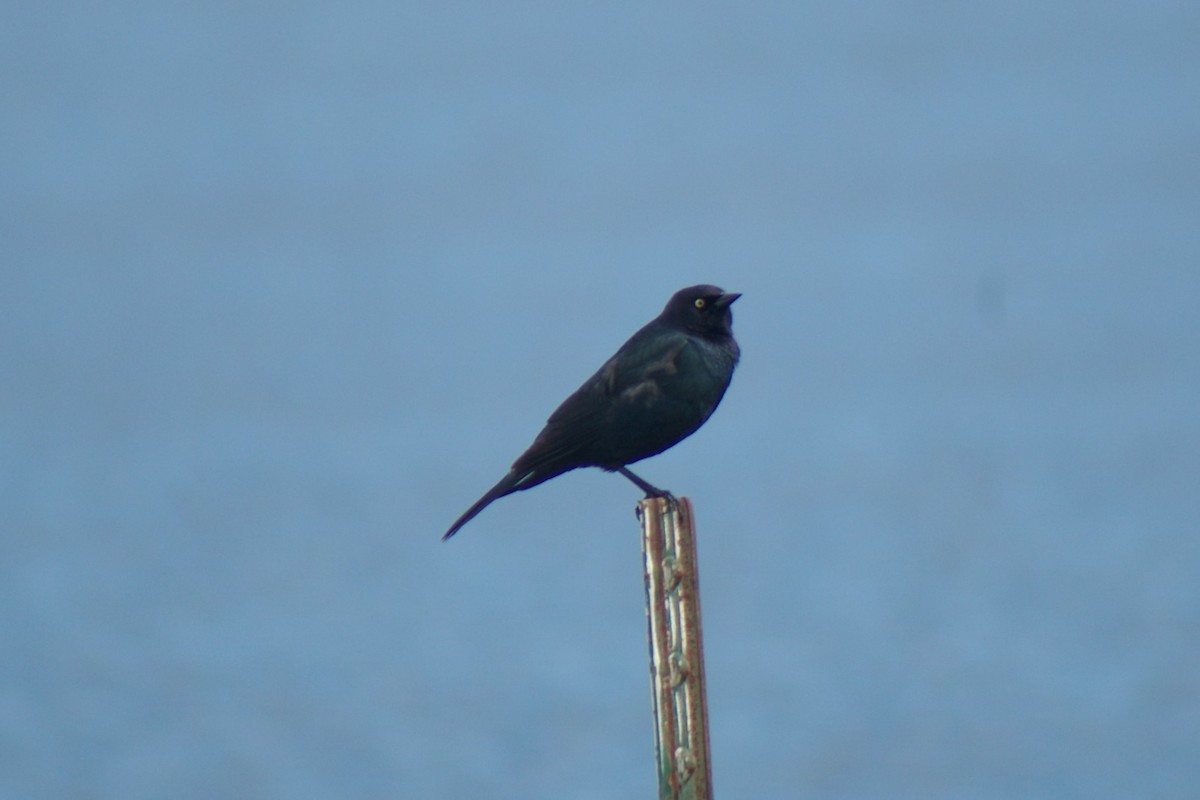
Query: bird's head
{"type": "Point", "coordinates": [703, 310]}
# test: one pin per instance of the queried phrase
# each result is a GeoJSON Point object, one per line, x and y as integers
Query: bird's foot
{"type": "Point", "coordinates": [650, 489]}
{"type": "Point", "coordinates": [672, 501]}
{"type": "Point", "coordinates": [663, 493]}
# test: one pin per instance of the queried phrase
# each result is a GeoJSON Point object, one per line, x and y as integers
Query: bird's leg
{"type": "Point", "coordinates": [650, 490]}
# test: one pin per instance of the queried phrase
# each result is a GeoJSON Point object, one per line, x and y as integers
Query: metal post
{"type": "Point", "coordinates": [676, 653]}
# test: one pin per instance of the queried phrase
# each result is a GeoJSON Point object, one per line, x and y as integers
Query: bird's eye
{"type": "Point", "coordinates": [700, 302]}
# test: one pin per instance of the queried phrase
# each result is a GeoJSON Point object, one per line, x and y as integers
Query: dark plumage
{"type": "Point", "coordinates": [655, 391]}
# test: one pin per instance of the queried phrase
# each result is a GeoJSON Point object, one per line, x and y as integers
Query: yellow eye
{"type": "Point", "coordinates": [700, 302]}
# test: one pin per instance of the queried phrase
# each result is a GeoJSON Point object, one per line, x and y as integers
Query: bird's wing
{"type": "Point", "coordinates": [631, 377]}
{"type": "Point", "coordinates": [634, 371]}
{"type": "Point", "coordinates": [635, 374]}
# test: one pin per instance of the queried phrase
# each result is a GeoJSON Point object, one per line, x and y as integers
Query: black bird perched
{"type": "Point", "coordinates": [655, 391]}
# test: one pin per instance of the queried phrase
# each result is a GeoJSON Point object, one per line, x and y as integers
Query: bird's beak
{"type": "Point", "coordinates": [727, 299]}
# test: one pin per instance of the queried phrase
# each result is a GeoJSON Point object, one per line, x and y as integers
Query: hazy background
{"type": "Point", "coordinates": [286, 286]}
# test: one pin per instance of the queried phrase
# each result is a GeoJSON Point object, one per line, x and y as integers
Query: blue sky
{"type": "Point", "coordinates": [288, 287]}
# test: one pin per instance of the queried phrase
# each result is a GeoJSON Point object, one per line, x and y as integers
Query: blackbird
{"type": "Point", "coordinates": [656, 390]}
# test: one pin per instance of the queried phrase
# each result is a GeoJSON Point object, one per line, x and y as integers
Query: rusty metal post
{"type": "Point", "coordinates": [676, 652]}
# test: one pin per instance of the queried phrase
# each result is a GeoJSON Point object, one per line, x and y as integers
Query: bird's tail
{"type": "Point", "coordinates": [507, 485]}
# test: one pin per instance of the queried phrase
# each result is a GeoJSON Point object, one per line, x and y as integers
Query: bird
{"type": "Point", "coordinates": [655, 391]}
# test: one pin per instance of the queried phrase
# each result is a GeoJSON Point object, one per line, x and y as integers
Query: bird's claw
{"type": "Point", "coordinates": [671, 499]}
